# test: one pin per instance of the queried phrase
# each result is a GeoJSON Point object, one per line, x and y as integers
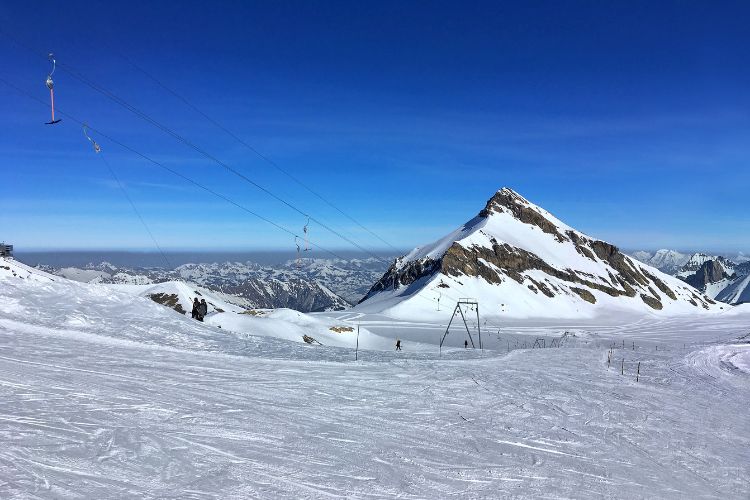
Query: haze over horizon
{"type": "Point", "coordinates": [628, 121]}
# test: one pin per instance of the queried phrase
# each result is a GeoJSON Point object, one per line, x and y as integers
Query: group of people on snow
{"type": "Point", "coordinates": [200, 309]}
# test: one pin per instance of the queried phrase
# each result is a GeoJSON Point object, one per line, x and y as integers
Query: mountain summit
{"type": "Point", "coordinates": [519, 260]}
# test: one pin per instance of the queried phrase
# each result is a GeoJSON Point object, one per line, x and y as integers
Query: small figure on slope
{"type": "Point", "coordinates": [196, 308]}
{"type": "Point", "coordinates": [202, 310]}
{"type": "Point", "coordinates": [398, 344]}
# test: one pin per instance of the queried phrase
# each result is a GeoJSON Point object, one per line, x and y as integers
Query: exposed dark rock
{"type": "Point", "coordinates": [411, 272]}
{"type": "Point", "coordinates": [579, 244]}
{"type": "Point", "coordinates": [651, 302]}
{"type": "Point", "coordinates": [661, 285]}
{"type": "Point", "coordinates": [506, 199]}
{"type": "Point", "coordinates": [584, 294]}
{"type": "Point", "coordinates": [541, 286]}
{"type": "Point", "coordinates": [709, 272]}
{"type": "Point", "coordinates": [169, 300]}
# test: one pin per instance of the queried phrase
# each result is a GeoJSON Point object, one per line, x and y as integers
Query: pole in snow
{"type": "Point", "coordinates": [356, 350]}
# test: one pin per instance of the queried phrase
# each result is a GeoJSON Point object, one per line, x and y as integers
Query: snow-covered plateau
{"type": "Point", "coordinates": [108, 394]}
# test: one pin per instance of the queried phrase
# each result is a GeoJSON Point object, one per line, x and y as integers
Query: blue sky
{"type": "Point", "coordinates": [628, 120]}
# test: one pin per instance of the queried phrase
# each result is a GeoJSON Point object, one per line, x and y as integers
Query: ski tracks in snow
{"type": "Point", "coordinates": [112, 403]}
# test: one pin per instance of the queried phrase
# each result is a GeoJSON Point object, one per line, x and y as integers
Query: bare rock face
{"type": "Point", "coordinates": [169, 300]}
{"type": "Point", "coordinates": [397, 277]}
{"type": "Point", "coordinates": [709, 272]}
{"type": "Point", "coordinates": [509, 200]}
{"type": "Point", "coordinates": [651, 302]}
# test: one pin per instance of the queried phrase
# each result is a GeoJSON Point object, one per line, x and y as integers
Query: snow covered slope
{"type": "Point", "coordinates": [160, 313]}
{"type": "Point", "coordinates": [518, 260]}
{"type": "Point", "coordinates": [737, 291]}
{"type": "Point", "coordinates": [107, 394]}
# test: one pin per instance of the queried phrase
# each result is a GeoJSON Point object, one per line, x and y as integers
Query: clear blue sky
{"type": "Point", "coordinates": [628, 120]}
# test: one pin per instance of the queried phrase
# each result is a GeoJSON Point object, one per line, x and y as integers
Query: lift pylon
{"type": "Point", "coordinates": [474, 307]}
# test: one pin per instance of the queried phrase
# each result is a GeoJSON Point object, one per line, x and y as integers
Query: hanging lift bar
{"type": "Point", "coordinates": [97, 148]}
{"type": "Point", "coordinates": [51, 86]}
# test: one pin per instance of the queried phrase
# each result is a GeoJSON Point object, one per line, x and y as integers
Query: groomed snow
{"type": "Point", "coordinates": [109, 395]}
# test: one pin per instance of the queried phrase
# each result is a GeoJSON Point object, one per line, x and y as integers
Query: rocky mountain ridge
{"type": "Point", "coordinates": [515, 247]}
{"type": "Point", "coordinates": [719, 277]}
{"type": "Point", "coordinates": [293, 285]}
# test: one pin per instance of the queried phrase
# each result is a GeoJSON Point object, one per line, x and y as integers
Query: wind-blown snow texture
{"type": "Point", "coordinates": [107, 394]}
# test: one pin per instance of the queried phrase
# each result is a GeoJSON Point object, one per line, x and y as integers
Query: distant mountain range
{"type": "Point", "coordinates": [723, 278]}
{"type": "Point", "coordinates": [549, 268]}
{"type": "Point", "coordinates": [307, 285]}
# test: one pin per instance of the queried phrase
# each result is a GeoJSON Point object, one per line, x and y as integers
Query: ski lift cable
{"type": "Point", "coordinates": [185, 141]}
{"type": "Point", "coordinates": [98, 150]}
{"type": "Point", "coordinates": [121, 102]}
{"type": "Point", "coordinates": [168, 169]}
{"type": "Point", "coordinates": [137, 213]}
{"type": "Point", "coordinates": [251, 148]}
{"type": "Point", "coordinates": [191, 181]}
{"type": "Point", "coordinates": [176, 173]}
{"type": "Point", "coordinates": [113, 97]}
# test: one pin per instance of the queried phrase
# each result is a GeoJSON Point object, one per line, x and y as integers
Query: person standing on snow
{"type": "Point", "coordinates": [202, 310]}
{"type": "Point", "coordinates": [196, 308]}
{"type": "Point", "coordinates": [398, 344]}
{"type": "Point", "coordinates": [466, 344]}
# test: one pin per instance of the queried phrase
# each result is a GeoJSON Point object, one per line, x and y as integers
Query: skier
{"type": "Point", "coordinates": [466, 344]}
{"type": "Point", "coordinates": [398, 344]}
{"type": "Point", "coordinates": [202, 310]}
{"type": "Point", "coordinates": [196, 308]}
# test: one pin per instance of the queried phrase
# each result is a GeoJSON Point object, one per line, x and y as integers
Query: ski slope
{"type": "Point", "coordinates": [107, 394]}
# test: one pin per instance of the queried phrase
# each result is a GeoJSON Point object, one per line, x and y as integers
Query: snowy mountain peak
{"type": "Point", "coordinates": [699, 260]}
{"type": "Point", "coordinates": [666, 261]}
{"type": "Point", "coordinates": [521, 260]}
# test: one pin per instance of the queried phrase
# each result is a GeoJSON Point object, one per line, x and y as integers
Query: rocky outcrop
{"type": "Point", "coordinates": [584, 294]}
{"type": "Point", "coordinates": [652, 302]}
{"type": "Point", "coordinates": [711, 271]}
{"type": "Point", "coordinates": [520, 208]}
{"type": "Point", "coordinates": [169, 300]}
{"type": "Point", "coordinates": [398, 276]}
